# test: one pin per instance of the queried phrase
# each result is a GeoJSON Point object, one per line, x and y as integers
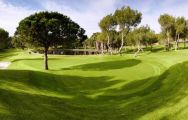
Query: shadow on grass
{"type": "Point", "coordinates": [109, 65]}
{"type": "Point", "coordinates": [145, 96]}
{"type": "Point", "coordinates": [130, 102]}
{"type": "Point", "coordinates": [7, 53]}
{"type": "Point", "coordinates": [3, 56]}
{"type": "Point", "coordinates": [56, 83]}
{"type": "Point", "coordinates": [31, 59]}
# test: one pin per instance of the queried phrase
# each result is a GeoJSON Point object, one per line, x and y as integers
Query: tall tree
{"type": "Point", "coordinates": [180, 27]}
{"type": "Point", "coordinates": [151, 38]}
{"type": "Point", "coordinates": [142, 36]}
{"type": "Point", "coordinates": [101, 38]}
{"type": "Point", "coordinates": [91, 41]}
{"type": "Point", "coordinates": [19, 41]}
{"type": "Point", "coordinates": [185, 35]}
{"type": "Point", "coordinates": [107, 24]}
{"type": "Point", "coordinates": [47, 29]}
{"type": "Point", "coordinates": [4, 39]}
{"type": "Point", "coordinates": [167, 24]}
{"type": "Point", "coordinates": [139, 37]}
{"type": "Point", "coordinates": [126, 18]}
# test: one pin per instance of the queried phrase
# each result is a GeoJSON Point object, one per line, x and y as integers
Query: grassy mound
{"type": "Point", "coordinates": [152, 86]}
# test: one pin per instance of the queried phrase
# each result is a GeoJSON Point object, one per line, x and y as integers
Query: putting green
{"type": "Point", "coordinates": [152, 86]}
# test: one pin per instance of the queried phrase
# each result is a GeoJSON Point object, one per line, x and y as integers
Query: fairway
{"type": "Point", "coordinates": [152, 86]}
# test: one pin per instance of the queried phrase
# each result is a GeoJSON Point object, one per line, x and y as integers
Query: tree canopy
{"type": "Point", "coordinates": [4, 39]}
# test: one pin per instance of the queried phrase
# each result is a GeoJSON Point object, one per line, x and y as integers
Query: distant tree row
{"type": "Point", "coordinates": [173, 29]}
{"type": "Point", "coordinates": [121, 29]}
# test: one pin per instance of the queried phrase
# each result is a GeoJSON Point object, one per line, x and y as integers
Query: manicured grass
{"type": "Point", "coordinates": [153, 86]}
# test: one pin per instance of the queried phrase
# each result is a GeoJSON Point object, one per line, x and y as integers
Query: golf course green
{"type": "Point", "coordinates": [152, 86]}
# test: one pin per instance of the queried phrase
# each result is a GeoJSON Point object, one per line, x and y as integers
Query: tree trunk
{"type": "Point", "coordinates": [151, 47]}
{"type": "Point", "coordinates": [122, 42]}
{"type": "Point", "coordinates": [97, 45]}
{"type": "Point", "coordinates": [168, 42]}
{"type": "Point", "coordinates": [46, 58]}
{"type": "Point", "coordinates": [139, 49]}
{"type": "Point", "coordinates": [184, 42]}
{"type": "Point", "coordinates": [102, 48]}
{"type": "Point", "coordinates": [109, 47]}
{"type": "Point", "coordinates": [178, 41]}
{"type": "Point", "coordinates": [146, 45]}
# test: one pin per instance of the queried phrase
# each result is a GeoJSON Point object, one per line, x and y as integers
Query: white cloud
{"type": "Point", "coordinates": [172, 7]}
{"type": "Point", "coordinates": [11, 16]}
{"type": "Point", "coordinates": [88, 19]}
{"type": "Point", "coordinates": [93, 13]}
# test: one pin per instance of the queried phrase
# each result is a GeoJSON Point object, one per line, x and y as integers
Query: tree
{"type": "Point", "coordinates": [75, 43]}
{"type": "Point", "coordinates": [19, 41]}
{"type": "Point", "coordinates": [91, 41]}
{"type": "Point", "coordinates": [180, 27]}
{"type": "Point", "coordinates": [142, 36]}
{"type": "Point", "coordinates": [126, 18]}
{"type": "Point", "coordinates": [81, 37]}
{"type": "Point", "coordinates": [185, 35]}
{"type": "Point", "coordinates": [107, 24]}
{"type": "Point", "coordinates": [167, 24]}
{"type": "Point", "coordinates": [101, 38]}
{"type": "Point", "coordinates": [151, 38]}
{"type": "Point", "coordinates": [47, 29]}
{"type": "Point", "coordinates": [139, 35]}
{"type": "Point", "coordinates": [4, 39]}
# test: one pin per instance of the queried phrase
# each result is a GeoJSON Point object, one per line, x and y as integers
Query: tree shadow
{"type": "Point", "coordinates": [129, 102]}
{"type": "Point", "coordinates": [109, 65]}
{"type": "Point", "coordinates": [155, 50]}
{"type": "Point", "coordinates": [56, 83]}
{"type": "Point", "coordinates": [3, 56]}
{"type": "Point", "coordinates": [140, 97]}
{"type": "Point", "coordinates": [31, 59]}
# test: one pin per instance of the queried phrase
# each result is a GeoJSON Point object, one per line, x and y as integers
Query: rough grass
{"type": "Point", "coordinates": [152, 86]}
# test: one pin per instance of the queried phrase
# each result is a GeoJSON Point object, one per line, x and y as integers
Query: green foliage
{"type": "Point", "coordinates": [167, 22]}
{"type": "Point", "coordinates": [142, 35]}
{"type": "Point", "coordinates": [180, 25]}
{"type": "Point", "coordinates": [173, 28]}
{"type": "Point", "coordinates": [181, 28]}
{"type": "Point", "coordinates": [46, 29]}
{"type": "Point", "coordinates": [107, 23]}
{"type": "Point", "coordinates": [19, 41]}
{"type": "Point", "coordinates": [127, 17]}
{"type": "Point", "coordinates": [4, 39]}
{"type": "Point", "coordinates": [90, 42]}
{"type": "Point", "coordinates": [102, 37]}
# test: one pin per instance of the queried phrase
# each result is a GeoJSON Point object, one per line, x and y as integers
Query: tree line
{"type": "Point", "coordinates": [173, 29]}
{"type": "Point", "coordinates": [122, 29]}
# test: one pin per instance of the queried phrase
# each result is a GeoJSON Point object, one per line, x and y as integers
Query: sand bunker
{"type": "Point", "coordinates": [4, 65]}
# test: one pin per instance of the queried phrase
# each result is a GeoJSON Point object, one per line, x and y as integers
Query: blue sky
{"type": "Point", "coordinates": [88, 13]}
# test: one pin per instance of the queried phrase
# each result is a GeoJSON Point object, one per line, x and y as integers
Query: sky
{"type": "Point", "coordinates": [88, 13]}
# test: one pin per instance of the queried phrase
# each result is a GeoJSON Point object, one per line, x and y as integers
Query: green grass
{"type": "Point", "coordinates": [153, 86]}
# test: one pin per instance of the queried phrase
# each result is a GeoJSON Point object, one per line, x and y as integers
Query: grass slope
{"type": "Point", "coordinates": [152, 86]}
